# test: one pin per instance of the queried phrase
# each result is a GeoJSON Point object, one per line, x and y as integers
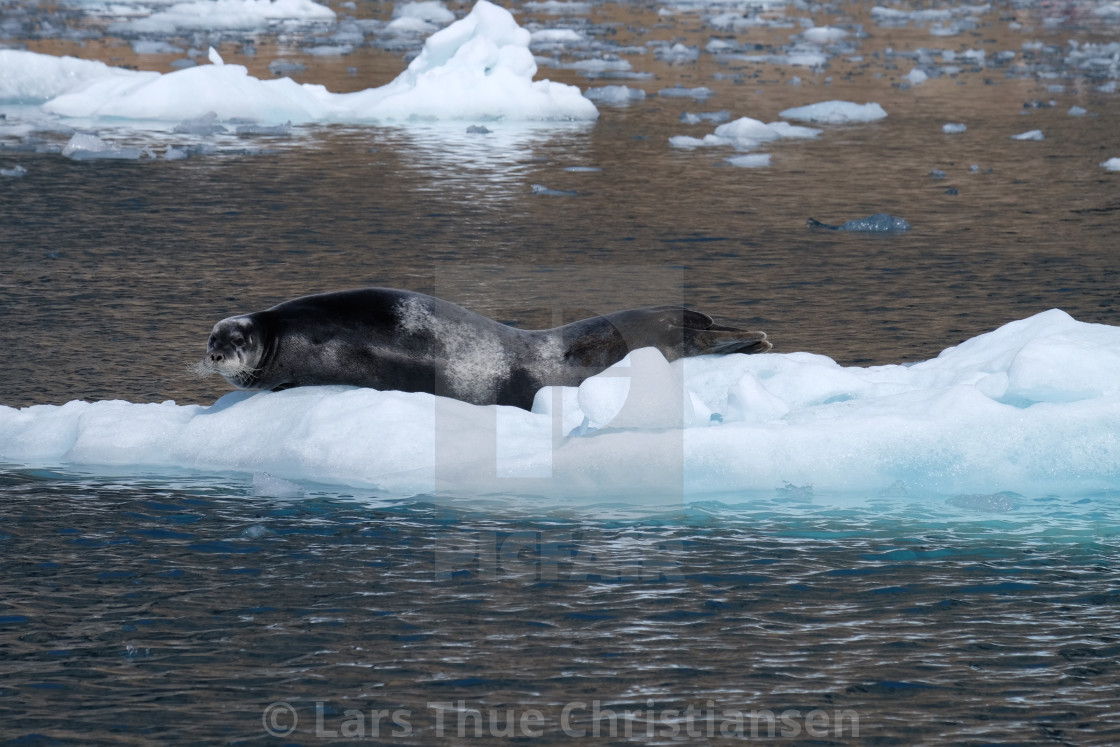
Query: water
{"type": "Point", "coordinates": [177, 608]}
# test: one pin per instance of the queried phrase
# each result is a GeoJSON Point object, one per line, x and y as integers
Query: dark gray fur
{"type": "Point", "coordinates": [399, 340]}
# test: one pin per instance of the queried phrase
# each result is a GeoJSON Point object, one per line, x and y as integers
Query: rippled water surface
{"type": "Point", "coordinates": [177, 609]}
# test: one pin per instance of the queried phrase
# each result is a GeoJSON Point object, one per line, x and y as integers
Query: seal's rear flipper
{"type": "Point", "coordinates": [702, 336]}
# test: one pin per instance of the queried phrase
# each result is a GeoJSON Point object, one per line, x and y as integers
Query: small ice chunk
{"type": "Point", "coordinates": [432, 11]}
{"type": "Point", "coordinates": [951, 128]}
{"type": "Point", "coordinates": [614, 95]}
{"type": "Point", "coordinates": [214, 57]}
{"type": "Point", "coordinates": [916, 76]}
{"type": "Point", "coordinates": [148, 46]}
{"type": "Point", "coordinates": [698, 117]}
{"type": "Point", "coordinates": [285, 67]}
{"type": "Point", "coordinates": [478, 130]}
{"type": "Point", "coordinates": [750, 160]}
{"type": "Point", "coordinates": [678, 53]}
{"type": "Point", "coordinates": [252, 128]}
{"type": "Point", "coordinates": [207, 124]}
{"type": "Point", "coordinates": [330, 50]}
{"type": "Point", "coordinates": [1077, 111]}
{"type": "Point", "coordinates": [836, 112]}
{"type": "Point", "coordinates": [86, 147]}
{"type": "Point", "coordinates": [1029, 135]}
{"type": "Point", "coordinates": [556, 36]}
{"type": "Point", "coordinates": [823, 34]}
{"type": "Point", "coordinates": [16, 171]}
{"type": "Point", "coordinates": [1112, 164]}
{"type": "Point", "coordinates": [680, 92]}
{"type": "Point", "coordinates": [267, 486]}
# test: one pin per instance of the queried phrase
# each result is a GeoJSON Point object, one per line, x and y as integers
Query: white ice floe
{"type": "Point", "coordinates": [916, 76]}
{"type": "Point", "coordinates": [744, 133]}
{"type": "Point", "coordinates": [225, 15]}
{"type": "Point", "coordinates": [1031, 407]}
{"type": "Point", "coordinates": [750, 160]}
{"type": "Point", "coordinates": [1029, 135]}
{"type": "Point", "coordinates": [1112, 164]}
{"type": "Point", "coordinates": [951, 128]}
{"type": "Point", "coordinates": [478, 68]}
{"type": "Point", "coordinates": [823, 34]}
{"type": "Point", "coordinates": [836, 112]}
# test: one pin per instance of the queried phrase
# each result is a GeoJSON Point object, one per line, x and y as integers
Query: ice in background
{"type": "Point", "coordinates": [1029, 408]}
{"type": "Point", "coordinates": [478, 68]}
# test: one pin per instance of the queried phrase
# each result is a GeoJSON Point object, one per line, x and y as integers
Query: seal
{"type": "Point", "coordinates": [391, 339]}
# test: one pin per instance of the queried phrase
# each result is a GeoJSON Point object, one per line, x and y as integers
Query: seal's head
{"type": "Point", "coordinates": [235, 350]}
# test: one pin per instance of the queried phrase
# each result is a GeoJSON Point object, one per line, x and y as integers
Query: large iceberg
{"type": "Point", "coordinates": [1032, 407]}
{"type": "Point", "coordinates": [478, 68]}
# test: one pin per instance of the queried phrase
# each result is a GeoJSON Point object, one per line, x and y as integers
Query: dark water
{"type": "Point", "coordinates": [175, 610]}
{"type": "Point", "coordinates": [158, 612]}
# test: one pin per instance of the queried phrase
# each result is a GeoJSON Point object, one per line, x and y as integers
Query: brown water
{"type": "Point", "coordinates": [175, 610]}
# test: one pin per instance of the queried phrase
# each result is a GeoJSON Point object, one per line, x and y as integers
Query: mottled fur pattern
{"type": "Point", "coordinates": [398, 340]}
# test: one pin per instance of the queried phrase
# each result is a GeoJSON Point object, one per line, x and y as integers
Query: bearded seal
{"type": "Point", "coordinates": [391, 339]}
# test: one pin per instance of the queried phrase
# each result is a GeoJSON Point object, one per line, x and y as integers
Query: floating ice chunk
{"type": "Point", "coordinates": [611, 63]}
{"type": "Point", "coordinates": [15, 171]}
{"type": "Point", "coordinates": [836, 112]}
{"type": "Point", "coordinates": [151, 46]}
{"type": "Point", "coordinates": [30, 78]}
{"type": "Point", "coordinates": [1112, 164]}
{"type": "Point", "coordinates": [1029, 135]}
{"type": "Point", "coordinates": [750, 160]}
{"type": "Point", "coordinates": [747, 131]}
{"type": "Point", "coordinates": [1030, 407]}
{"type": "Point", "coordinates": [85, 147]}
{"type": "Point", "coordinates": [258, 129]}
{"type": "Point", "coordinates": [615, 95]}
{"type": "Point", "coordinates": [207, 124]}
{"type": "Point", "coordinates": [916, 76]}
{"type": "Point", "coordinates": [700, 92]}
{"type": "Point", "coordinates": [558, 7]}
{"type": "Point", "coordinates": [286, 67]}
{"type": "Point", "coordinates": [1077, 111]}
{"type": "Point", "coordinates": [476, 68]}
{"type": "Point", "coordinates": [329, 50]}
{"type": "Point", "coordinates": [268, 486]}
{"type": "Point", "coordinates": [229, 15]}
{"type": "Point", "coordinates": [878, 223]}
{"type": "Point", "coordinates": [557, 36]}
{"type": "Point", "coordinates": [214, 57]}
{"type": "Point", "coordinates": [951, 128]}
{"type": "Point", "coordinates": [432, 11]}
{"type": "Point", "coordinates": [698, 117]}
{"type": "Point", "coordinates": [823, 34]}
{"type": "Point", "coordinates": [689, 142]}
{"type": "Point", "coordinates": [678, 53]}
{"type": "Point", "coordinates": [174, 154]}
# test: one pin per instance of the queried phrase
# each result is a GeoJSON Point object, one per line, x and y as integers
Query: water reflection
{"type": "Point", "coordinates": [482, 163]}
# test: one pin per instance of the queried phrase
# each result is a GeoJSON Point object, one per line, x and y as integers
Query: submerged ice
{"type": "Point", "coordinates": [1031, 407]}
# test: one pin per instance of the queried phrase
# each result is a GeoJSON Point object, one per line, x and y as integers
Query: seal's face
{"type": "Point", "coordinates": [234, 350]}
